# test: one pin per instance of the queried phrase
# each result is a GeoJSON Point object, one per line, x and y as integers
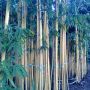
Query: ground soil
{"type": "Point", "coordinates": [84, 84]}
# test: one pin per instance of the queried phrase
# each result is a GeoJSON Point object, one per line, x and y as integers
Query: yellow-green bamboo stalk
{"type": "Point", "coordinates": [64, 63]}
{"type": "Point", "coordinates": [24, 56]}
{"type": "Point", "coordinates": [35, 68]}
{"type": "Point", "coordinates": [60, 65]}
{"type": "Point", "coordinates": [46, 53]}
{"type": "Point", "coordinates": [64, 54]}
{"type": "Point", "coordinates": [85, 58]}
{"type": "Point", "coordinates": [84, 62]}
{"type": "Point", "coordinates": [37, 56]}
{"type": "Point", "coordinates": [6, 24]}
{"type": "Point", "coordinates": [19, 13]}
{"type": "Point", "coordinates": [31, 68]}
{"type": "Point", "coordinates": [7, 13]}
{"type": "Point", "coordinates": [39, 83]}
{"type": "Point", "coordinates": [19, 25]}
{"type": "Point", "coordinates": [55, 50]}
{"type": "Point", "coordinates": [41, 54]}
{"type": "Point", "coordinates": [78, 70]}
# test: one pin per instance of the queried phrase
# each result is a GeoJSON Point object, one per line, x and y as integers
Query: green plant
{"type": "Point", "coordinates": [11, 41]}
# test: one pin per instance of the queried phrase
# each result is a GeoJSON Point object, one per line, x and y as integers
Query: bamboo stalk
{"type": "Point", "coordinates": [55, 51]}
{"type": "Point", "coordinates": [7, 13]}
{"type": "Point", "coordinates": [78, 76]}
{"type": "Point", "coordinates": [39, 82]}
{"type": "Point", "coordinates": [78, 71]}
{"type": "Point", "coordinates": [31, 69]}
{"type": "Point", "coordinates": [19, 24]}
{"type": "Point", "coordinates": [64, 63]}
{"type": "Point", "coordinates": [73, 64]}
{"type": "Point", "coordinates": [24, 56]}
{"type": "Point", "coordinates": [28, 61]}
{"type": "Point", "coordinates": [64, 54]}
{"type": "Point", "coordinates": [6, 24]}
{"type": "Point", "coordinates": [69, 64]}
{"type": "Point", "coordinates": [19, 13]}
{"type": "Point", "coordinates": [36, 61]}
{"type": "Point", "coordinates": [61, 45]}
{"type": "Point", "coordinates": [41, 55]}
{"type": "Point", "coordinates": [82, 61]}
{"type": "Point", "coordinates": [85, 58]}
{"type": "Point", "coordinates": [46, 53]}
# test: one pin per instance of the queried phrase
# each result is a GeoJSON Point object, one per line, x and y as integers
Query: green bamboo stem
{"type": "Point", "coordinates": [6, 24]}
{"type": "Point", "coordinates": [24, 46]}
{"type": "Point", "coordinates": [55, 50]}
{"type": "Point", "coordinates": [39, 80]}
{"type": "Point", "coordinates": [31, 69]}
{"type": "Point", "coordinates": [78, 70]}
{"type": "Point", "coordinates": [46, 54]}
{"type": "Point", "coordinates": [36, 60]}
{"type": "Point", "coordinates": [63, 54]}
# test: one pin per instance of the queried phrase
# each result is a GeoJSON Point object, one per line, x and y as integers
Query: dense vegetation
{"type": "Point", "coordinates": [43, 43]}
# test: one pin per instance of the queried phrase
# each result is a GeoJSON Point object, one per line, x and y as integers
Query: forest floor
{"type": "Point", "coordinates": [84, 84]}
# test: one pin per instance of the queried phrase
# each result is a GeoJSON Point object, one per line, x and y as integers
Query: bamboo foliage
{"type": "Point", "coordinates": [19, 14]}
{"type": "Point", "coordinates": [47, 64]}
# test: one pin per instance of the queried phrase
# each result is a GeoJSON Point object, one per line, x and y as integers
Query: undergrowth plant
{"type": "Point", "coordinates": [11, 41]}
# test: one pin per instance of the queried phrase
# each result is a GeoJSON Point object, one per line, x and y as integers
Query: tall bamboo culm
{"type": "Point", "coordinates": [46, 53]}
{"type": "Point", "coordinates": [55, 49]}
{"type": "Point", "coordinates": [64, 65]}
{"type": "Point", "coordinates": [39, 61]}
{"type": "Point", "coordinates": [63, 54]}
{"type": "Point", "coordinates": [24, 46]}
{"type": "Point", "coordinates": [78, 70]}
{"type": "Point", "coordinates": [7, 14]}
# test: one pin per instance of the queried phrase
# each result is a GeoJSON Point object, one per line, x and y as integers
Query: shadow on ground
{"type": "Point", "coordinates": [84, 84]}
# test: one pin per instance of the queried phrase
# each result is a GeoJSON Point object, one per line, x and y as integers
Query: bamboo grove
{"type": "Point", "coordinates": [43, 43]}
